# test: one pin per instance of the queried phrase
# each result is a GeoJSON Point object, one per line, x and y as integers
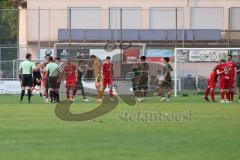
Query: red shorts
{"type": "Point", "coordinates": [107, 81]}
{"type": "Point", "coordinates": [223, 83]}
{"type": "Point", "coordinates": [71, 84]}
{"type": "Point", "coordinates": [231, 83]}
{"type": "Point", "coordinates": [211, 84]}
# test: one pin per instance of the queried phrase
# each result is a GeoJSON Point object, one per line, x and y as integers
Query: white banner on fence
{"type": "Point", "coordinates": [102, 54]}
{"type": "Point", "coordinates": [211, 55]}
{"type": "Point", "coordinates": [10, 87]}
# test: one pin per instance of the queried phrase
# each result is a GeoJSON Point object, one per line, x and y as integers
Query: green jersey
{"type": "Point", "coordinates": [167, 69]}
{"type": "Point", "coordinates": [52, 69]}
{"type": "Point", "coordinates": [80, 73]}
{"type": "Point", "coordinates": [26, 67]}
{"type": "Point", "coordinates": [238, 68]}
{"type": "Point", "coordinates": [144, 68]}
{"type": "Point", "coordinates": [135, 71]}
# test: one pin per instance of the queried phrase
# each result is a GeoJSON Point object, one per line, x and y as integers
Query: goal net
{"type": "Point", "coordinates": [193, 65]}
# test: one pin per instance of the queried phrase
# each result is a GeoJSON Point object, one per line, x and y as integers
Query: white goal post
{"type": "Point", "coordinates": [198, 59]}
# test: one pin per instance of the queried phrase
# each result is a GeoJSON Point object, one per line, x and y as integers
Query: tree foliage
{"type": "Point", "coordinates": [8, 23]}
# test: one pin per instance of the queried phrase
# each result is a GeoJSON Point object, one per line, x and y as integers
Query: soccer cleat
{"type": "Point", "coordinates": [206, 98]}
{"type": "Point", "coordinates": [140, 99]}
{"type": "Point", "coordinates": [222, 101]}
{"type": "Point", "coordinates": [214, 101]}
{"type": "Point", "coordinates": [167, 99]}
{"type": "Point", "coordinates": [20, 101]}
{"type": "Point", "coordinates": [163, 99]}
{"type": "Point", "coordinates": [46, 100]}
{"type": "Point", "coordinates": [99, 100]}
{"type": "Point", "coordinates": [227, 101]}
{"type": "Point", "coordinates": [86, 100]}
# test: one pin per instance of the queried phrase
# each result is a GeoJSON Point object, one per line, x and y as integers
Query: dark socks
{"type": "Point", "coordinates": [22, 95]}
{"type": "Point", "coordinates": [52, 95]}
{"type": "Point", "coordinates": [29, 95]}
{"type": "Point", "coordinates": [57, 96]}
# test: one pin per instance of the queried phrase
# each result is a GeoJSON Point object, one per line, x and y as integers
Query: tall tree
{"type": "Point", "coordinates": [8, 23]}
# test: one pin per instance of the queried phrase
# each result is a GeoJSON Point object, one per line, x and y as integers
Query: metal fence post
{"type": "Point", "coordinates": [14, 69]}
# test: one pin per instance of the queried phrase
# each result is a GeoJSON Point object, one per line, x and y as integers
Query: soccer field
{"type": "Point", "coordinates": [204, 131]}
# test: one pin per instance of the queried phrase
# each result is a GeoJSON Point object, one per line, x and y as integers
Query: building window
{"type": "Point", "coordinates": [131, 18]}
{"type": "Point", "coordinates": [85, 18]}
{"type": "Point", "coordinates": [207, 18]}
{"type": "Point", "coordinates": [234, 18]}
{"type": "Point", "coordinates": [166, 18]}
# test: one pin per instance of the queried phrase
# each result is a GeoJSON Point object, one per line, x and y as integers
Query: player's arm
{"type": "Point", "coordinates": [112, 70]}
{"type": "Point", "coordinates": [20, 72]}
{"type": "Point", "coordinates": [76, 75]}
{"type": "Point", "coordinates": [32, 67]}
{"type": "Point", "coordinates": [47, 71]}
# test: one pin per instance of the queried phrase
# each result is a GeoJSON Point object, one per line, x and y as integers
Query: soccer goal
{"type": "Point", "coordinates": [193, 65]}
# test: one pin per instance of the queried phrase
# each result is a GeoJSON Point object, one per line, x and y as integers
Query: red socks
{"type": "Point", "coordinates": [231, 96]}
{"type": "Point", "coordinates": [212, 95]}
{"type": "Point", "coordinates": [222, 95]}
{"type": "Point", "coordinates": [67, 92]}
{"type": "Point", "coordinates": [111, 92]}
{"type": "Point", "coordinates": [228, 96]}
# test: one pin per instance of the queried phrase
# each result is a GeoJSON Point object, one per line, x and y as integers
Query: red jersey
{"type": "Point", "coordinates": [212, 79]}
{"type": "Point", "coordinates": [213, 76]}
{"type": "Point", "coordinates": [70, 71]}
{"type": "Point", "coordinates": [107, 69]}
{"type": "Point", "coordinates": [223, 67]}
{"type": "Point", "coordinates": [231, 67]}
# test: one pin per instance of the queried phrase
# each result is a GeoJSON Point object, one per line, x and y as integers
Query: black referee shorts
{"type": "Point", "coordinates": [27, 80]}
{"type": "Point", "coordinates": [53, 82]}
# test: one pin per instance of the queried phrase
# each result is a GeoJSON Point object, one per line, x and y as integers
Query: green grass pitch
{"type": "Point", "coordinates": [33, 132]}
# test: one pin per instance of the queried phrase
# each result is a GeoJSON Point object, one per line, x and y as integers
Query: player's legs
{"type": "Point", "coordinates": [238, 86]}
{"type": "Point", "coordinates": [207, 90]}
{"type": "Point", "coordinates": [68, 91]}
{"type": "Point", "coordinates": [144, 86]}
{"type": "Point", "coordinates": [29, 87]}
{"type": "Point", "coordinates": [23, 87]}
{"type": "Point", "coordinates": [239, 93]}
{"type": "Point", "coordinates": [104, 84]}
{"type": "Point", "coordinates": [22, 93]}
{"type": "Point", "coordinates": [231, 89]}
{"type": "Point", "coordinates": [109, 83]}
{"type": "Point", "coordinates": [46, 88]}
{"type": "Point", "coordinates": [206, 93]}
{"type": "Point", "coordinates": [212, 94]}
{"type": "Point", "coordinates": [227, 89]}
{"type": "Point", "coordinates": [74, 91]}
{"type": "Point", "coordinates": [222, 89]}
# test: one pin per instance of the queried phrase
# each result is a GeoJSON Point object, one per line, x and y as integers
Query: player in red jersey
{"type": "Point", "coordinates": [232, 66]}
{"type": "Point", "coordinates": [222, 71]}
{"type": "Point", "coordinates": [44, 82]}
{"type": "Point", "coordinates": [212, 79]}
{"type": "Point", "coordinates": [70, 71]}
{"type": "Point", "coordinates": [107, 72]}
